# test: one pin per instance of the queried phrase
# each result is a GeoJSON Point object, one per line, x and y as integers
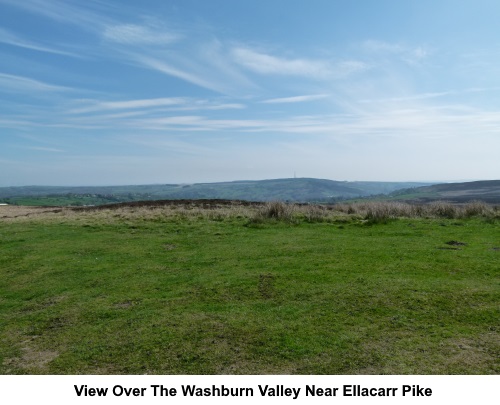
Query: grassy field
{"type": "Point", "coordinates": [182, 290]}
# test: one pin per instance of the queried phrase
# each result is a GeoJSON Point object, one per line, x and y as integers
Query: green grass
{"type": "Point", "coordinates": [190, 295]}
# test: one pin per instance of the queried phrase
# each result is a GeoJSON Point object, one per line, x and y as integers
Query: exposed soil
{"type": "Point", "coordinates": [15, 211]}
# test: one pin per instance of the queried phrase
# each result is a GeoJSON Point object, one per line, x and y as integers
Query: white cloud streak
{"type": "Point", "coordinates": [409, 54]}
{"type": "Point", "coordinates": [171, 144]}
{"type": "Point", "coordinates": [165, 68]}
{"type": "Point", "coordinates": [129, 104]}
{"type": "Point", "coordinates": [296, 99]}
{"type": "Point", "coordinates": [424, 96]}
{"type": "Point", "coordinates": [397, 123]}
{"type": "Point", "coordinates": [13, 83]}
{"type": "Point", "coordinates": [63, 12]}
{"type": "Point", "coordinates": [312, 69]}
{"type": "Point", "coordinates": [268, 64]}
{"type": "Point", "coordinates": [9, 38]}
{"type": "Point", "coordinates": [132, 34]}
{"type": "Point", "coordinates": [45, 149]}
{"type": "Point", "coordinates": [204, 64]}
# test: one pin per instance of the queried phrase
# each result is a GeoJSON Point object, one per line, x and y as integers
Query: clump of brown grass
{"type": "Point", "coordinates": [477, 209]}
{"type": "Point", "coordinates": [382, 211]}
{"type": "Point", "coordinates": [442, 209]}
{"type": "Point", "coordinates": [378, 211]}
{"type": "Point", "coordinates": [275, 210]}
{"type": "Point", "coordinates": [315, 213]}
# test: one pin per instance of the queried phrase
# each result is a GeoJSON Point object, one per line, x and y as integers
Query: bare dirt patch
{"type": "Point", "coordinates": [31, 359]}
{"type": "Point", "coordinates": [476, 353]}
{"type": "Point", "coordinates": [16, 211]}
{"type": "Point", "coordinates": [125, 304]}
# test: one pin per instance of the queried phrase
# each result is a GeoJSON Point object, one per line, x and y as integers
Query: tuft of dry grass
{"type": "Point", "coordinates": [275, 210]}
{"type": "Point", "coordinates": [315, 213]}
{"type": "Point", "coordinates": [442, 209]}
{"type": "Point", "coordinates": [477, 208]}
{"type": "Point", "coordinates": [381, 211]}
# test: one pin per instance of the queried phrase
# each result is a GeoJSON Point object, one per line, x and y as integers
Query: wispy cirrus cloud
{"type": "Point", "coordinates": [197, 71]}
{"type": "Point", "coordinates": [373, 45]}
{"type": "Point", "coordinates": [94, 105]}
{"type": "Point", "coordinates": [430, 95]}
{"type": "Point", "coordinates": [134, 34]}
{"type": "Point", "coordinates": [204, 63]}
{"type": "Point", "coordinates": [144, 43]}
{"type": "Point", "coordinates": [65, 12]}
{"type": "Point", "coordinates": [268, 64]}
{"type": "Point", "coordinates": [164, 67]}
{"type": "Point", "coordinates": [10, 38]}
{"type": "Point", "coordinates": [216, 56]}
{"type": "Point", "coordinates": [410, 54]}
{"type": "Point", "coordinates": [172, 144]}
{"type": "Point", "coordinates": [45, 149]}
{"type": "Point", "coordinates": [132, 113]}
{"type": "Point", "coordinates": [412, 97]}
{"type": "Point", "coordinates": [423, 122]}
{"type": "Point", "coordinates": [296, 99]}
{"type": "Point", "coordinates": [264, 63]}
{"type": "Point", "coordinates": [13, 83]}
{"type": "Point", "coordinates": [213, 107]}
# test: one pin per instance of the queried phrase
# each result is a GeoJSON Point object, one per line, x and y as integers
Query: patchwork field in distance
{"type": "Point", "coordinates": [221, 287]}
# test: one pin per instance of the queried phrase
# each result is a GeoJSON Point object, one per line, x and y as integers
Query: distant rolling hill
{"type": "Point", "coordinates": [294, 190]}
{"type": "Point", "coordinates": [487, 191]}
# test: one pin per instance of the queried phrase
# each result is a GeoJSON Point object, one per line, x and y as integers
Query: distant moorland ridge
{"type": "Point", "coordinates": [291, 189]}
{"type": "Point", "coordinates": [486, 190]}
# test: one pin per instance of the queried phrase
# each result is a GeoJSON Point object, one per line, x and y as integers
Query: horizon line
{"type": "Point", "coordinates": [248, 180]}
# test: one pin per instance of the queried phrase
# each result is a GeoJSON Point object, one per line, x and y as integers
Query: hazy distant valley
{"type": "Point", "coordinates": [292, 190]}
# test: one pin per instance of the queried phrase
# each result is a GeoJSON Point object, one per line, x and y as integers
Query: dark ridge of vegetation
{"type": "Point", "coordinates": [460, 193]}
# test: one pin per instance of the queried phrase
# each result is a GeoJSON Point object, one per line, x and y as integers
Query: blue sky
{"type": "Point", "coordinates": [125, 92]}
